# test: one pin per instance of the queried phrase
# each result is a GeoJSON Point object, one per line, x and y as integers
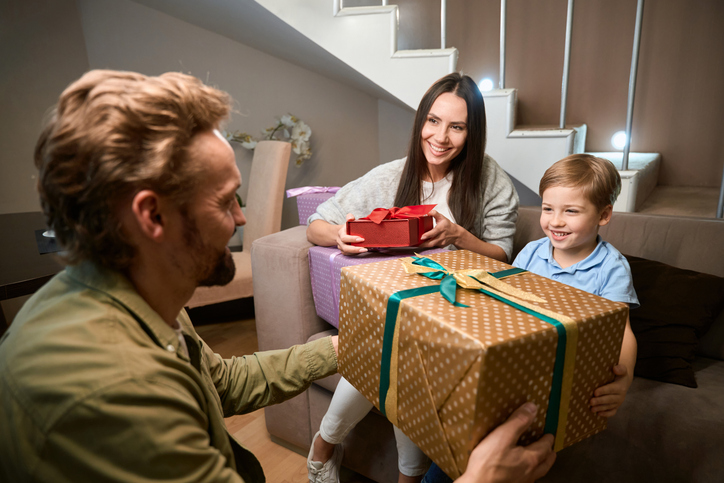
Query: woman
{"type": "Point", "coordinates": [476, 210]}
{"type": "Point", "coordinates": [476, 202]}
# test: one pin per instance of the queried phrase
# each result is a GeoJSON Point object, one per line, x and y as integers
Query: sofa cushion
{"type": "Point", "coordinates": [712, 344]}
{"type": "Point", "coordinates": [677, 308]}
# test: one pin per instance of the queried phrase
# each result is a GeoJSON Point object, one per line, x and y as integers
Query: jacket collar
{"type": "Point", "coordinates": [119, 288]}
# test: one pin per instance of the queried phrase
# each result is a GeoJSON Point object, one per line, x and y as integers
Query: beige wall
{"type": "Point", "coordinates": [394, 127]}
{"type": "Point", "coordinates": [41, 52]}
{"type": "Point", "coordinates": [679, 108]}
{"type": "Point", "coordinates": [120, 34]}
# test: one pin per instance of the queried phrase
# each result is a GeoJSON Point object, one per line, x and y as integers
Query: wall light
{"type": "Point", "coordinates": [486, 85]}
{"type": "Point", "coordinates": [618, 140]}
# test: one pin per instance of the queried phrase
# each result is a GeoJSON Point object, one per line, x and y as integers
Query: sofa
{"type": "Point", "coordinates": [664, 431]}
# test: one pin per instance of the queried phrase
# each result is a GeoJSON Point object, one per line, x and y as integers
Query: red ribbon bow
{"type": "Point", "coordinates": [417, 211]}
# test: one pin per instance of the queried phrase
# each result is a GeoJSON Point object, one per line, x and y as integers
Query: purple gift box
{"type": "Point", "coordinates": [307, 205]}
{"type": "Point", "coordinates": [309, 197]}
{"type": "Point", "coordinates": [325, 268]}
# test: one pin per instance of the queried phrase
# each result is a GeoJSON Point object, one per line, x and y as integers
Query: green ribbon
{"type": "Point", "coordinates": [393, 307]}
{"type": "Point", "coordinates": [447, 288]}
{"type": "Point", "coordinates": [554, 400]}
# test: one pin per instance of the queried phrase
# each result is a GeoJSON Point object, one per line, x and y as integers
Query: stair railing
{"type": "Point", "coordinates": [632, 82]}
{"type": "Point", "coordinates": [566, 65]}
{"type": "Point", "coordinates": [503, 8]}
{"type": "Point", "coordinates": [720, 205]}
{"type": "Point", "coordinates": [443, 23]}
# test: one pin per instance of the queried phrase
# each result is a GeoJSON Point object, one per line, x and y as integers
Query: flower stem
{"type": "Point", "coordinates": [271, 136]}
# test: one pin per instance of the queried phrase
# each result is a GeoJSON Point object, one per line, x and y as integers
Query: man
{"type": "Point", "coordinates": [103, 376]}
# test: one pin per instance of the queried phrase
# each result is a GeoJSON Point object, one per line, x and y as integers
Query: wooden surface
{"type": "Point", "coordinates": [281, 465]}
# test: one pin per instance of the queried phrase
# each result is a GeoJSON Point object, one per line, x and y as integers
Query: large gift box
{"type": "Point", "coordinates": [394, 227]}
{"type": "Point", "coordinates": [325, 269]}
{"type": "Point", "coordinates": [447, 365]}
{"type": "Point", "coordinates": [309, 197]}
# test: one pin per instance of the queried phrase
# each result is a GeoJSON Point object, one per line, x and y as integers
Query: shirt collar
{"type": "Point", "coordinates": [545, 251]}
{"type": "Point", "coordinates": [116, 286]}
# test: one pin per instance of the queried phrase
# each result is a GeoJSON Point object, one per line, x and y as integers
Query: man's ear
{"type": "Point", "coordinates": [147, 212]}
{"type": "Point", "coordinates": [606, 215]}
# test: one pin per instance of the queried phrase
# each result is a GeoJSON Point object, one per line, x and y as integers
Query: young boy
{"type": "Point", "coordinates": [578, 194]}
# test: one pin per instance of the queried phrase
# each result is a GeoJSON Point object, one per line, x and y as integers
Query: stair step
{"type": "Point", "coordinates": [525, 152]}
{"type": "Point", "coordinates": [638, 181]}
{"type": "Point", "coordinates": [693, 201]}
{"type": "Point", "coordinates": [375, 9]}
{"type": "Point", "coordinates": [417, 53]}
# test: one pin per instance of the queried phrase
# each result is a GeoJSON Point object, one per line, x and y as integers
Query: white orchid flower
{"type": "Point", "coordinates": [299, 146]}
{"type": "Point", "coordinates": [288, 120]}
{"type": "Point", "coordinates": [298, 137]}
{"type": "Point", "coordinates": [301, 131]}
{"type": "Point", "coordinates": [250, 144]}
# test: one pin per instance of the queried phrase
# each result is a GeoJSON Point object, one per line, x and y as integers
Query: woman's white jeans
{"type": "Point", "coordinates": [348, 407]}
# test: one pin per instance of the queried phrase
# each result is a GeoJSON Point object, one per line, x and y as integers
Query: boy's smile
{"type": "Point", "coordinates": [571, 222]}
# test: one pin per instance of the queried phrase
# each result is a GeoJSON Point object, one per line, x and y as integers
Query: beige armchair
{"type": "Point", "coordinates": [264, 217]}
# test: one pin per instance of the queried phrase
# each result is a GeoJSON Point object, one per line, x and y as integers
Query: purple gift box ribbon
{"type": "Point", "coordinates": [307, 190]}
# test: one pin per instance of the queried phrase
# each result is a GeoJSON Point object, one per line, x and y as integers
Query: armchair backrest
{"type": "Point", "coordinates": [266, 190]}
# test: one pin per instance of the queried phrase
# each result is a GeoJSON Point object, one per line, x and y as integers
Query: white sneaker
{"type": "Point", "coordinates": [324, 472]}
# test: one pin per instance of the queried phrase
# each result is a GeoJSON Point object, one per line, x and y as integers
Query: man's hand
{"type": "Point", "coordinates": [335, 344]}
{"type": "Point", "coordinates": [344, 241]}
{"type": "Point", "coordinates": [498, 458]}
{"type": "Point", "coordinates": [607, 399]}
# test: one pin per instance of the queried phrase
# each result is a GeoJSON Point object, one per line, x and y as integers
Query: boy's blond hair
{"type": "Point", "coordinates": [597, 177]}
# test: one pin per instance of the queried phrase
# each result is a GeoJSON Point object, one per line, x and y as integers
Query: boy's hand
{"type": "Point", "coordinates": [607, 399]}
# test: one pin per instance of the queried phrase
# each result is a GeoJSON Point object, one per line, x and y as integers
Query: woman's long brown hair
{"type": "Point", "coordinates": [467, 167]}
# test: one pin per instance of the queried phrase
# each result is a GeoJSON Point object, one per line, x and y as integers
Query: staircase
{"type": "Point", "coordinates": [525, 152]}
{"type": "Point", "coordinates": [365, 38]}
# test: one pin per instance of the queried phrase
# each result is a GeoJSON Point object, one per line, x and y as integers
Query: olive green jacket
{"type": "Point", "coordinates": [93, 387]}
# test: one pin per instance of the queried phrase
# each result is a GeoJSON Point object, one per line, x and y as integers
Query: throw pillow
{"type": "Point", "coordinates": [677, 307]}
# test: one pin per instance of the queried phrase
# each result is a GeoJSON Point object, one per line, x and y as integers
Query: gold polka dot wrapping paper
{"type": "Point", "coordinates": [451, 373]}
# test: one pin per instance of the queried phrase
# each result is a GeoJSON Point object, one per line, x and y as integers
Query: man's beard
{"type": "Point", "coordinates": [211, 267]}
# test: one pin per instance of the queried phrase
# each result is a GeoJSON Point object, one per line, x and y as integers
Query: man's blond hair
{"type": "Point", "coordinates": [111, 135]}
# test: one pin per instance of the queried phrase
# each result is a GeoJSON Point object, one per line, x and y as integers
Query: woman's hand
{"type": "Point", "coordinates": [325, 234]}
{"type": "Point", "coordinates": [447, 233]}
{"type": "Point", "coordinates": [344, 241]}
{"type": "Point", "coordinates": [444, 233]}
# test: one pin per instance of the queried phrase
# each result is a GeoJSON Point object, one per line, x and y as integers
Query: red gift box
{"type": "Point", "coordinates": [396, 227]}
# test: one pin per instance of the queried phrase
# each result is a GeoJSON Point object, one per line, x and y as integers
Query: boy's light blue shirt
{"type": "Point", "coordinates": [605, 272]}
